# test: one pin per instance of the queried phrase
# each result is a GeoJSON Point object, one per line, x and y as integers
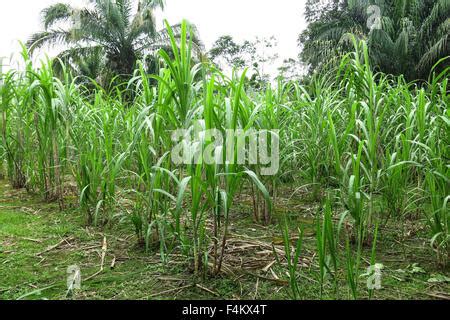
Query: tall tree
{"type": "Point", "coordinates": [290, 70]}
{"type": "Point", "coordinates": [226, 52]}
{"type": "Point", "coordinates": [106, 31]}
{"type": "Point", "coordinates": [405, 36]}
{"type": "Point", "coordinates": [256, 55]}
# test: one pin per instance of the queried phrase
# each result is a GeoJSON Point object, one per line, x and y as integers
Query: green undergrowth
{"type": "Point", "coordinates": [31, 267]}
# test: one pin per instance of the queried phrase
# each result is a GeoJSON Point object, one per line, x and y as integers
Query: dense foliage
{"type": "Point", "coordinates": [368, 147]}
{"type": "Point", "coordinates": [405, 37]}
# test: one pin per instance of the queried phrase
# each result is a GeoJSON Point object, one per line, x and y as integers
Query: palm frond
{"type": "Point", "coordinates": [52, 38]}
{"type": "Point", "coordinates": [440, 12]}
{"type": "Point", "coordinates": [56, 13]}
{"type": "Point", "coordinates": [440, 49]}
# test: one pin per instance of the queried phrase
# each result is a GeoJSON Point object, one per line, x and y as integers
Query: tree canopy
{"type": "Point", "coordinates": [105, 38]}
{"type": "Point", "coordinates": [405, 36]}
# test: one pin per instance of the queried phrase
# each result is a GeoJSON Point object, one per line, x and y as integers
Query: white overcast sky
{"type": "Point", "coordinates": [243, 19]}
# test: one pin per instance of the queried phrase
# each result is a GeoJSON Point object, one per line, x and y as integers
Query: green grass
{"type": "Point", "coordinates": [142, 275]}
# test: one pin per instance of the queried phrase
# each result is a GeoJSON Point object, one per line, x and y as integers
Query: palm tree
{"type": "Point", "coordinates": [103, 38]}
{"type": "Point", "coordinates": [412, 34]}
{"type": "Point", "coordinates": [413, 37]}
{"type": "Point", "coordinates": [323, 41]}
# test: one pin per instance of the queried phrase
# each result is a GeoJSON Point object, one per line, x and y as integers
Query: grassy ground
{"type": "Point", "coordinates": [38, 243]}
